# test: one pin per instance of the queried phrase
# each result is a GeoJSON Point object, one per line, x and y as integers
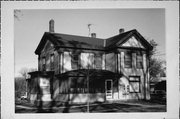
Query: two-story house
{"type": "Point", "coordinates": [78, 69]}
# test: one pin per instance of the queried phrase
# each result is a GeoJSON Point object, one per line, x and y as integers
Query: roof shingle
{"type": "Point", "coordinates": [73, 41]}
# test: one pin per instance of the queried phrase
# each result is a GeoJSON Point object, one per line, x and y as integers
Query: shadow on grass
{"type": "Point", "coordinates": [133, 106]}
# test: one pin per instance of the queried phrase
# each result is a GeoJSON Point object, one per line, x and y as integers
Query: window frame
{"type": "Point", "coordinates": [44, 63]}
{"type": "Point", "coordinates": [139, 61]}
{"type": "Point", "coordinates": [52, 61]}
{"type": "Point", "coordinates": [96, 61]}
{"type": "Point", "coordinates": [134, 81]}
{"type": "Point", "coordinates": [59, 62]}
{"type": "Point", "coordinates": [128, 61]}
{"type": "Point", "coordinates": [75, 62]}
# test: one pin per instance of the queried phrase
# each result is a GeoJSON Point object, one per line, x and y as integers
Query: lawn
{"type": "Point", "coordinates": [118, 106]}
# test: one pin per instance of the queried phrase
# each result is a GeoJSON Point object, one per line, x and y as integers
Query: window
{"type": "Point", "coordinates": [44, 63]}
{"type": "Point", "coordinates": [78, 87]}
{"type": "Point", "coordinates": [75, 61]}
{"type": "Point", "coordinates": [98, 61]}
{"type": "Point", "coordinates": [128, 90]}
{"type": "Point", "coordinates": [52, 61]}
{"type": "Point", "coordinates": [75, 86]}
{"type": "Point", "coordinates": [128, 60]}
{"type": "Point", "coordinates": [66, 61]}
{"type": "Point", "coordinates": [139, 63]}
{"type": "Point", "coordinates": [134, 82]}
{"type": "Point", "coordinates": [59, 63]}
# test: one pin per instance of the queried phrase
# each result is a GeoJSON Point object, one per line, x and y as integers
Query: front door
{"type": "Point", "coordinates": [109, 87]}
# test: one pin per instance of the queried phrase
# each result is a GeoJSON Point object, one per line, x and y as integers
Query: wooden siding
{"type": "Point", "coordinates": [134, 71]}
{"type": "Point", "coordinates": [133, 42]}
{"type": "Point", "coordinates": [111, 62]}
{"type": "Point", "coordinates": [45, 53]}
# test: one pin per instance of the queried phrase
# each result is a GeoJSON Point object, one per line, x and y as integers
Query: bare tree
{"type": "Point", "coordinates": [20, 82]}
{"type": "Point", "coordinates": [156, 65]}
{"type": "Point", "coordinates": [24, 72]}
{"type": "Point", "coordinates": [17, 14]}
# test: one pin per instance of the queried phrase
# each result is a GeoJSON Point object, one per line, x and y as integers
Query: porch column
{"type": "Point", "coordinates": [103, 61]}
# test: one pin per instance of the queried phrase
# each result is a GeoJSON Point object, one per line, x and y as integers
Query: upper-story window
{"type": "Point", "coordinates": [75, 61]}
{"type": "Point", "coordinates": [98, 61]}
{"type": "Point", "coordinates": [128, 60]}
{"type": "Point", "coordinates": [87, 60]}
{"type": "Point", "coordinates": [60, 62]}
{"type": "Point", "coordinates": [44, 64]}
{"type": "Point", "coordinates": [139, 61]}
{"type": "Point", "coordinates": [66, 61]}
{"type": "Point", "coordinates": [52, 62]}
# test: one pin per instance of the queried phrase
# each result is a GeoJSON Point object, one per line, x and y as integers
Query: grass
{"type": "Point", "coordinates": [116, 106]}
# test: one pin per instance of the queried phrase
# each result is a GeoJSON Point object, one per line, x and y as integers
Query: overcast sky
{"type": "Point", "coordinates": [31, 25]}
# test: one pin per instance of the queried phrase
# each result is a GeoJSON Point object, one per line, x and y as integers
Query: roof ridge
{"type": "Point", "coordinates": [72, 35]}
{"type": "Point", "coordinates": [122, 33]}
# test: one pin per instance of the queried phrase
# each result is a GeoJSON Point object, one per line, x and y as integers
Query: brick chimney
{"type": "Point", "coordinates": [51, 25]}
{"type": "Point", "coordinates": [93, 35]}
{"type": "Point", "coordinates": [121, 30]}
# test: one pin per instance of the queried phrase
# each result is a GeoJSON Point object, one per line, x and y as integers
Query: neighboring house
{"type": "Point", "coordinates": [159, 83]}
{"type": "Point", "coordinates": [78, 69]}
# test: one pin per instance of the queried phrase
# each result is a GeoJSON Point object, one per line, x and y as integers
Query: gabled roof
{"type": "Point", "coordinates": [70, 41]}
{"type": "Point", "coordinates": [73, 41]}
{"type": "Point", "coordinates": [118, 40]}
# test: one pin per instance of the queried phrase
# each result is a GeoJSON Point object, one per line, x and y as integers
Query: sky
{"type": "Point", "coordinates": [30, 26]}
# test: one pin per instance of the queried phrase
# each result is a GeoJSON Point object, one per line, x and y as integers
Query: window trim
{"type": "Point", "coordinates": [43, 63]}
{"type": "Point", "coordinates": [137, 63]}
{"type": "Point", "coordinates": [131, 59]}
{"type": "Point", "coordinates": [52, 61]}
{"type": "Point", "coordinates": [135, 81]}
{"type": "Point", "coordinates": [76, 61]}
{"type": "Point", "coordinates": [96, 57]}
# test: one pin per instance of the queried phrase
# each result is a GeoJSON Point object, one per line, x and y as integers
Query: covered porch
{"type": "Point", "coordinates": [87, 85]}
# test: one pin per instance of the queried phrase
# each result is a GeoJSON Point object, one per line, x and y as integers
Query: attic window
{"type": "Point", "coordinates": [128, 60]}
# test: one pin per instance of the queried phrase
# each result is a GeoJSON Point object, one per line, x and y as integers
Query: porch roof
{"type": "Point", "coordinates": [91, 72]}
